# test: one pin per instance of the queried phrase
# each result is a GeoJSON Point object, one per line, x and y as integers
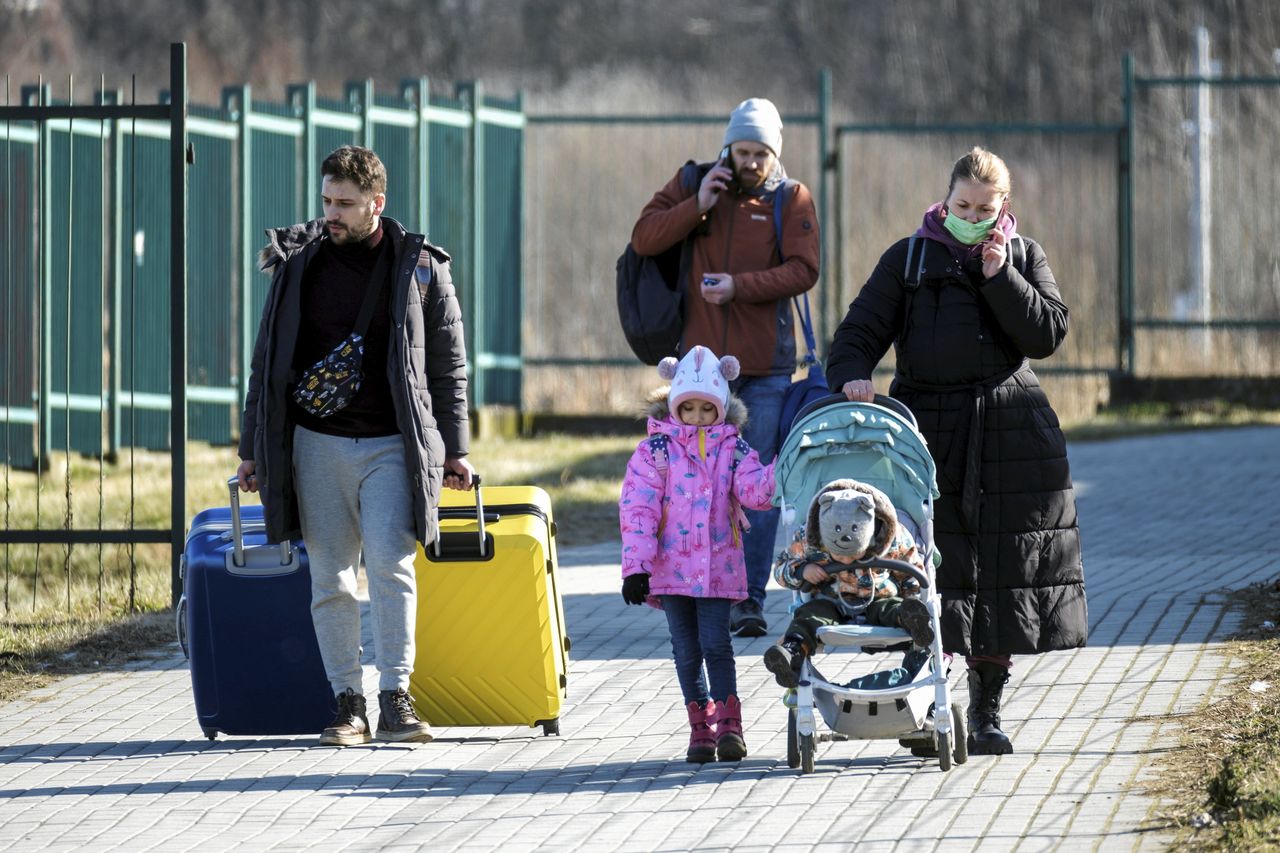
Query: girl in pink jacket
{"type": "Point", "coordinates": [682, 525]}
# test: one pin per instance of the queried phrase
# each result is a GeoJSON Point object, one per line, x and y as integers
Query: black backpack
{"type": "Point", "coordinates": [650, 295]}
{"type": "Point", "coordinates": [651, 289]}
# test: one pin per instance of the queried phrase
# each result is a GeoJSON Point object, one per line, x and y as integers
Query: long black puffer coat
{"type": "Point", "coordinates": [1011, 578]}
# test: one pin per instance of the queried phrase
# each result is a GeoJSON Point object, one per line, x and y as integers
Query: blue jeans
{"type": "Point", "coordinates": [700, 632]}
{"type": "Point", "coordinates": [762, 396]}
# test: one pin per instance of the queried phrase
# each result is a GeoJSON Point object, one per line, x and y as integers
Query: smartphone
{"type": "Point", "coordinates": [727, 161]}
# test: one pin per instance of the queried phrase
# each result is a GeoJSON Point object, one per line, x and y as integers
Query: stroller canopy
{"type": "Point", "coordinates": [835, 438]}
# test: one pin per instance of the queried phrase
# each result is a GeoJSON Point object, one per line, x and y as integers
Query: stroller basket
{"type": "Point", "coordinates": [887, 712]}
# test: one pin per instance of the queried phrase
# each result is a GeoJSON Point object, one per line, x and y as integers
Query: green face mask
{"type": "Point", "coordinates": [965, 231]}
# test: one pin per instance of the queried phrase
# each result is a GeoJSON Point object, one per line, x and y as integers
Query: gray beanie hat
{"type": "Point", "coordinates": [756, 120]}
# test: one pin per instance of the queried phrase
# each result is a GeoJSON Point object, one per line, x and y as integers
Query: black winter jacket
{"type": "Point", "coordinates": [427, 369]}
{"type": "Point", "coordinates": [1011, 577]}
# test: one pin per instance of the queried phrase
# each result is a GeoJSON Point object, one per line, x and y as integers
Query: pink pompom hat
{"type": "Point", "coordinates": [699, 375]}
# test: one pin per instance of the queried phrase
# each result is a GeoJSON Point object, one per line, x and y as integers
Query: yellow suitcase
{"type": "Point", "coordinates": [491, 642]}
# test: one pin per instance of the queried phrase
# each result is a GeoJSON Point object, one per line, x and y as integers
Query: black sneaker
{"type": "Point", "coordinates": [914, 617]}
{"type": "Point", "coordinates": [351, 726]}
{"type": "Point", "coordinates": [398, 721]}
{"type": "Point", "coordinates": [784, 661]}
{"type": "Point", "coordinates": [746, 619]}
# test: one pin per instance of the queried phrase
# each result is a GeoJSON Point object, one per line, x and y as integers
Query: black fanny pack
{"type": "Point", "coordinates": [329, 385]}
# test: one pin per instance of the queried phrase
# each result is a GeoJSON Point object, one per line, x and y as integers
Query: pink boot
{"type": "Point", "coordinates": [702, 740]}
{"type": "Point", "coordinates": [729, 742]}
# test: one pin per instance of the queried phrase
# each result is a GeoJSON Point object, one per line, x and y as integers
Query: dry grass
{"type": "Point", "coordinates": [1153, 418]}
{"type": "Point", "coordinates": [35, 650]}
{"type": "Point", "coordinates": [88, 607]}
{"type": "Point", "coordinates": [1221, 787]}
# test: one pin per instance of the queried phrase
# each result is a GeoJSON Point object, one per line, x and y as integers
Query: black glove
{"type": "Point", "coordinates": [635, 588]}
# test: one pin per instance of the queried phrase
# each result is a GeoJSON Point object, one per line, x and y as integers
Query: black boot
{"type": "Point", "coordinates": [986, 683]}
{"type": "Point", "coordinates": [784, 660]}
{"type": "Point", "coordinates": [351, 726]}
{"type": "Point", "coordinates": [398, 722]}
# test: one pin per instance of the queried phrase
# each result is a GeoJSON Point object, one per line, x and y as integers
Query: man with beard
{"type": "Point", "coordinates": [361, 475]}
{"type": "Point", "coordinates": [738, 293]}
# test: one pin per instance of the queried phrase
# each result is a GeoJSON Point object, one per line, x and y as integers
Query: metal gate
{"type": "Point", "coordinates": [1201, 274]}
{"type": "Point", "coordinates": [91, 308]}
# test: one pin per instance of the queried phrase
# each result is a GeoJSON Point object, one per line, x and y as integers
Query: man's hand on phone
{"type": "Point", "coordinates": [718, 288]}
{"type": "Point", "coordinates": [714, 182]}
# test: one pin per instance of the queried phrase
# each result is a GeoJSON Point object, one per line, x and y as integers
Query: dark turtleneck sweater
{"type": "Point", "coordinates": [333, 289]}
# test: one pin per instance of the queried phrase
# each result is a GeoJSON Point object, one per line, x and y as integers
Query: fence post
{"type": "Point", "coordinates": [1124, 299]}
{"type": "Point", "coordinates": [179, 157]}
{"type": "Point", "coordinates": [116, 274]}
{"type": "Point", "coordinates": [44, 204]}
{"type": "Point", "coordinates": [837, 279]}
{"type": "Point", "coordinates": [360, 97]}
{"type": "Point", "coordinates": [418, 93]}
{"type": "Point", "coordinates": [238, 100]}
{"type": "Point", "coordinates": [824, 164]}
{"type": "Point", "coordinates": [473, 94]}
{"type": "Point", "coordinates": [302, 97]}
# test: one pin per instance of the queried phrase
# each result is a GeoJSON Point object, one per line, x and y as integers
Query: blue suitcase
{"type": "Point", "coordinates": [244, 620]}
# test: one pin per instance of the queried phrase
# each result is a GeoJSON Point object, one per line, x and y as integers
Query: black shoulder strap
{"type": "Point", "coordinates": [692, 172]}
{"type": "Point", "coordinates": [1018, 254]}
{"type": "Point", "coordinates": [913, 270]}
{"type": "Point", "coordinates": [377, 280]}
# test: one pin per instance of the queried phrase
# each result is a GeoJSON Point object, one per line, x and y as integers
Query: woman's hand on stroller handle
{"type": "Point", "coordinates": [859, 391]}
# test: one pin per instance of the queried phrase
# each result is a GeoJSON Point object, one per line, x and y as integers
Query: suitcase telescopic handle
{"type": "Point", "coordinates": [237, 530]}
{"type": "Point", "coordinates": [475, 484]}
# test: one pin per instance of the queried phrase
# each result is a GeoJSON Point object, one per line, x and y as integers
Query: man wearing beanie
{"type": "Point", "coordinates": [739, 289]}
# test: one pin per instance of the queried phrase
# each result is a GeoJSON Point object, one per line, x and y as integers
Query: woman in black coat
{"type": "Point", "coordinates": [966, 302]}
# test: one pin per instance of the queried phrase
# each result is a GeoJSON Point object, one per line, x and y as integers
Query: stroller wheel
{"type": "Point", "coordinates": [944, 750]}
{"type": "Point", "coordinates": [793, 741]}
{"type": "Point", "coordinates": [806, 753]}
{"type": "Point", "coordinates": [960, 726]}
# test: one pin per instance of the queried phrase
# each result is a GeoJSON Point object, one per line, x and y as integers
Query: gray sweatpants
{"type": "Point", "coordinates": [354, 492]}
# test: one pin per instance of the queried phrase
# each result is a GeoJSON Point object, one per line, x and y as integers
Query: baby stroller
{"type": "Point", "coordinates": [879, 444]}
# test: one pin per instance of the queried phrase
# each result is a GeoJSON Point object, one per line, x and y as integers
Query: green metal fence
{"type": "Point", "coordinates": [1200, 279]}
{"type": "Point", "coordinates": [1108, 200]}
{"type": "Point", "coordinates": [1066, 182]}
{"type": "Point", "coordinates": [587, 177]}
{"type": "Point", "coordinates": [454, 171]}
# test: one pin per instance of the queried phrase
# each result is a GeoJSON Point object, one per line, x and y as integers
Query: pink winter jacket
{"type": "Point", "coordinates": [695, 506]}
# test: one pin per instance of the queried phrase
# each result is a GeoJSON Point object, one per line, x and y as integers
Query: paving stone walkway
{"type": "Point", "coordinates": [115, 760]}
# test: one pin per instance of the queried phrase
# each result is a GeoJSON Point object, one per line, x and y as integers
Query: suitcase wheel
{"type": "Point", "coordinates": [549, 727]}
{"type": "Point", "coordinates": [180, 618]}
{"type": "Point", "coordinates": [211, 734]}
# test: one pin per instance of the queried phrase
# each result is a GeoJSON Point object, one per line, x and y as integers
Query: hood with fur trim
{"type": "Point", "coordinates": [285, 241]}
{"type": "Point", "coordinates": [886, 519]}
{"type": "Point", "coordinates": [735, 412]}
